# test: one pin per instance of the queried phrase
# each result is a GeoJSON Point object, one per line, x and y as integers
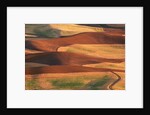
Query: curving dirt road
{"type": "Point", "coordinates": [118, 79]}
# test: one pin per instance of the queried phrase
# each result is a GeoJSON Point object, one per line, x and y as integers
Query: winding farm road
{"type": "Point", "coordinates": [118, 79]}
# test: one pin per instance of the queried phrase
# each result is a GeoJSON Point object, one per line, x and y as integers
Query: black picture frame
{"type": "Point", "coordinates": [33, 3]}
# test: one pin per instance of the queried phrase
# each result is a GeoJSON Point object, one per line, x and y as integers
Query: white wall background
{"type": "Point", "coordinates": [18, 97]}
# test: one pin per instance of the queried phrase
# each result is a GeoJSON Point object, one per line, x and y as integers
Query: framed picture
{"type": "Point", "coordinates": [74, 57]}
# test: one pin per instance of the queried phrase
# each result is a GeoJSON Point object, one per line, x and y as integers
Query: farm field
{"type": "Point", "coordinates": [74, 57]}
{"type": "Point", "coordinates": [79, 81]}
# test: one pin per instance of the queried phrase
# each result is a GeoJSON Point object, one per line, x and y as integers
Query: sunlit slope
{"type": "Point", "coordinates": [108, 65]}
{"type": "Point", "coordinates": [57, 30]}
{"type": "Point", "coordinates": [113, 51]}
{"type": "Point", "coordinates": [72, 29]}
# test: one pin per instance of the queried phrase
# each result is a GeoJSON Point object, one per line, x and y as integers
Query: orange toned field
{"type": "Point", "coordinates": [66, 58]}
{"type": "Point", "coordinates": [108, 65]}
{"type": "Point", "coordinates": [75, 57]}
{"type": "Point", "coordinates": [43, 44]}
{"type": "Point", "coordinates": [109, 51]}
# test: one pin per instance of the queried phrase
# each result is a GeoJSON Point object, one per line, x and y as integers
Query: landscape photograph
{"type": "Point", "coordinates": [74, 56]}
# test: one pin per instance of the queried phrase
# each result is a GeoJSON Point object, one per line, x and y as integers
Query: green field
{"type": "Point", "coordinates": [69, 83]}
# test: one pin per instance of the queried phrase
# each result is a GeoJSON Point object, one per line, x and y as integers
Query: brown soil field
{"type": "Point", "coordinates": [112, 31]}
{"type": "Point", "coordinates": [82, 38]}
{"type": "Point", "coordinates": [66, 69]}
{"type": "Point", "coordinates": [65, 58]}
{"type": "Point", "coordinates": [28, 51]}
{"type": "Point", "coordinates": [31, 64]}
